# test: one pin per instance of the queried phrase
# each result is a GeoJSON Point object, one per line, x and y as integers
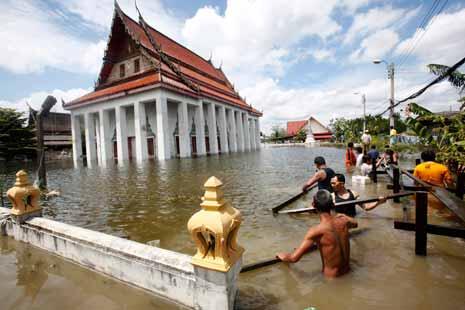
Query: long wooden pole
{"type": "Point", "coordinates": [275, 260]}
{"type": "Point", "coordinates": [290, 200]}
{"type": "Point", "coordinates": [347, 203]}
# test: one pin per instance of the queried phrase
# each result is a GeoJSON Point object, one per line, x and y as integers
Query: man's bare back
{"type": "Point", "coordinates": [332, 239]}
{"type": "Point", "coordinates": [333, 243]}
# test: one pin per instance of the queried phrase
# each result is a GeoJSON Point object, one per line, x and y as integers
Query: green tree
{"type": "Point", "coordinates": [456, 78]}
{"type": "Point", "coordinates": [277, 132]}
{"type": "Point", "coordinates": [352, 129]}
{"type": "Point", "coordinates": [444, 134]}
{"type": "Point", "coordinates": [301, 135]}
{"type": "Point", "coordinates": [15, 137]}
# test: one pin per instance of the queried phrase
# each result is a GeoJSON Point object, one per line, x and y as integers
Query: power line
{"type": "Point", "coordinates": [435, 81]}
{"type": "Point", "coordinates": [414, 45]}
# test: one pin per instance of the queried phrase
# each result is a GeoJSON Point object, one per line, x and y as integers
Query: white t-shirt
{"type": "Point", "coordinates": [359, 160]}
{"type": "Point", "coordinates": [366, 169]}
{"type": "Point", "coordinates": [366, 139]}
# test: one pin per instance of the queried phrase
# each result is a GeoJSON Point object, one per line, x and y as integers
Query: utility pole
{"type": "Point", "coordinates": [364, 113]}
{"type": "Point", "coordinates": [391, 109]}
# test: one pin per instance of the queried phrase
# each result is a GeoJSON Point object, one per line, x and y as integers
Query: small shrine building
{"type": "Point", "coordinates": [156, 98]}
{"type": "Point", "coordinates": [313, 128]}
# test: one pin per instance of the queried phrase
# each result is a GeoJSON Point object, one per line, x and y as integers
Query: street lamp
{"type": "Point", "coordinates": [364, 110]}
{"type": "Point", "coordinates": [390, 70]}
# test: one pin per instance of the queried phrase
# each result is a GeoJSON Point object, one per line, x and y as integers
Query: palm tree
{"type": "Point", "coordinates": [456, 78]}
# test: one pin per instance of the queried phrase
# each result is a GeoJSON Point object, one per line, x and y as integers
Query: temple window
{"type": "Point", "coordinates": [136, 65]}
{"type": "Point", "coordinates": [122, 71]}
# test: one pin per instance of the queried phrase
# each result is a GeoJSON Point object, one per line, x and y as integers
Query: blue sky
{"type": "Point", "coordinates": [291, 58]}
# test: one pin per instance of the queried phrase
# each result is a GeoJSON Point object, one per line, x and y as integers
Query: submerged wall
{"type": "Point", "coordinates": [166, 273]}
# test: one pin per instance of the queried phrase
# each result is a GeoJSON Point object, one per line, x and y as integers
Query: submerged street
{"type": "Point", "coordinates": [155, 200]}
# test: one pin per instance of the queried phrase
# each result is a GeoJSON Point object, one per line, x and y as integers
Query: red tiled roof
{"type": "Point", "coordinates": [211, 81]}
{"type": "Point", "coordinates": [117, 89]}
{"type": "Point", "coordinates": [294, 127]}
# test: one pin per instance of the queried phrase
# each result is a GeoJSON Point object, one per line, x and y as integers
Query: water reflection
{"type": "Point", "coordinates": [47, 282]}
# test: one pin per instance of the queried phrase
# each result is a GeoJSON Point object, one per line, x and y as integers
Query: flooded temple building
{"type": "Point", "coordinates": [154, 98]}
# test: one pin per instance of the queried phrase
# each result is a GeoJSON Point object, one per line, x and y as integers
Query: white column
{"type": "Point", "coordinates": [76, 136]}
{"type": "Point", "coordinates": [257, 134]}
{"type": "Point", "coordinates": [141, 134]}
{"type": "Point", "coordinates": [240, 131]}
{"type": "Point", "coordinates": [232, 131]}
{"type": "Point", "coordinates": [105, 136]}
{"type": "Point", "coordinates": [90, 139]}
{"type": "Point", "coordinates": [253, 140]}
{"type": "Point", "coordinates": [121, 134]}
{"type": "Point", "coordinates": [163, 146]}
{"type": "Point", "coordinates": [246, 131]}
{"type": "Point", "coordinates": [97, 139]}
{"type": "Point", "coordinates": [184, 137]}
{"type": "Point", "coordinates": [223, 130]}
{"type": "Point", "coordinates": [211, 123]}
{"type": "Point", "coordinates": [200, 129]}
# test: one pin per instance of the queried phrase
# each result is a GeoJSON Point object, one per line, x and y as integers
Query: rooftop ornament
{"type": "Point", "coordinates": [23, 196]}
{"type": "Point", "coordinates": [214, 230]}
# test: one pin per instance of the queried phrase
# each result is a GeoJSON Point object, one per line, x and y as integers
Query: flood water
{"type": "Point", "coordinates": [155, 200]}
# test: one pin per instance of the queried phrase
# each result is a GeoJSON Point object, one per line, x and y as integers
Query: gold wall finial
{"type": "Point", "coordinates": [214, 230]}
{"type": "Point", "coordinates": [23, 196]}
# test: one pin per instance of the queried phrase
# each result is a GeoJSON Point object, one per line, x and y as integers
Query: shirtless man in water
{"type": "Point", "coordinates": [331, 236]}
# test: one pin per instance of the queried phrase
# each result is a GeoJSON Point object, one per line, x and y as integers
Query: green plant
{"type": "Point", "coordinates": [444, 134]}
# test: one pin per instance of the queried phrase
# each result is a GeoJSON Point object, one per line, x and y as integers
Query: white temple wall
{"type": "Point", "coordinates": [148, 101]}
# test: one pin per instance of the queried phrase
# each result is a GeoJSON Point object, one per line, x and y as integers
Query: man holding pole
{"type": "Point", "coordinates": [331, 236]}
{"type": "Point", "coordinates": [342, 194]}
{"type": "Point", "coordinates": [322, 176]}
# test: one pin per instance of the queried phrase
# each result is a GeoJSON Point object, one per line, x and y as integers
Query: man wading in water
{"type": "Point", "coordinates": [331, 236]}
{"type": "Point", "coordinates": [342, 194]}
{"type": "Point", "coordinates": [322, 176]}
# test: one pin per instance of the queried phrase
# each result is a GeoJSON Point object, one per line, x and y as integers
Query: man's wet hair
{"type": "Point", "coordinates": [340, 177]}
{"type": "Point", "coordinates": [351, 144]}
{"type": "Point", "coordinates": [428, 155]}
{"type": "Point", "coordinates": [319, 160]}
{"type": "Point", "coordinates": [359, 149]}
{"type": "Point", "coordinates": [373, 147]}
{"type": "Point", "coordinates": [323, 201]}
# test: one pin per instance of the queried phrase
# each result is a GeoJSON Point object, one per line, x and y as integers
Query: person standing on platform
{"type": "Point", "coordinates": [373, 153]}
{"type": "Point", "coordinates": [331, 236]}
{"type": "Point", "coordinates": [366, 141]}
{"type": "Point", "coordinates": [351, 159]}
{"type": "Point", "coordinates": [432, 172]}
{"type": "Point", "coordinates": [342, 194]}
{"type": "Point", "coordinates": [392, 136]}
{"type": "Point", "coordinates": [322, 176]}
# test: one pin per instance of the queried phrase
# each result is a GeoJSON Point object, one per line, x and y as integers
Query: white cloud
{"type": "Point", "coordinates": [376, 19]}
{"type": "Point", "coordinates": [375, 46]}
{"type": "Point", "coordinates": [36, 99]}
{"type": "Point", "coordinates": [255, 37]}
{"type": "Point", "coordinates": [443, 41]}
{"type": "Point", "coordinates": [100, 13]}
{"type": "Point", "coordinates": [283, 104]}
{"type": "Point", "coordinates": [32, 42]}
{"type": "Point", "coordinates": [324, 54]}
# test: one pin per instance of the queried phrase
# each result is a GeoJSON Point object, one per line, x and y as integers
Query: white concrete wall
{"type": "Point", "coordinates": [166, 273]}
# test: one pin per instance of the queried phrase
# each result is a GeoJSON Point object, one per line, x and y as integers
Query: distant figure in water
{"type": "Point", "coordinates": [351, 159]}
{"type": "Point", "coordinates": [342, 194]}
{"type": "Point", "coordinates": [322, 176]}
{"type": "Point", "coordinates": [432, 172]}
{"type": "Point", "coordinates": [331, 236]}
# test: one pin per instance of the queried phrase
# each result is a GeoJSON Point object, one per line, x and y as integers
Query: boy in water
{"type": "Point", "coordinates": [331, 236]}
